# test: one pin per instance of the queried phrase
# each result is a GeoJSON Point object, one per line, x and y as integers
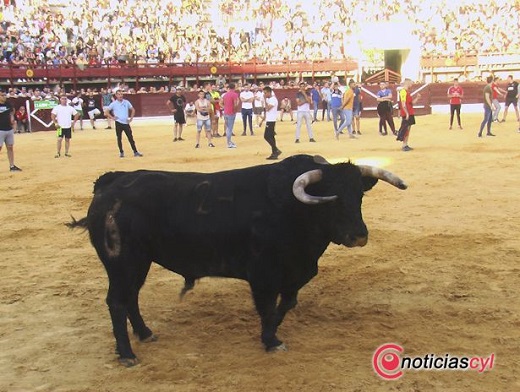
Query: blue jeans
{"type": "Point", "coordinates": [247, 118]}
{"type": "Point", "coordinates": [229, 123]}
{"type": "Point", "coordinates": [316, 105]}
{"type": "Point", "coordinates": [205, 123]}
{"type": "Point", "coordinates": [347, 121]}
{"type": "Point", "coordinates": [337, 114]}
{"type": "Point", "coordinates": [488, 119]}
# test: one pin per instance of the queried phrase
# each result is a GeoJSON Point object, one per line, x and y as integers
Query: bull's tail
{"type": "Point", "coordinates": [77, 223]}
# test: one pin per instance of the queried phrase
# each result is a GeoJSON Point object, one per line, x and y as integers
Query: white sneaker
{"type": "Point", "coordinates": [232, 145]}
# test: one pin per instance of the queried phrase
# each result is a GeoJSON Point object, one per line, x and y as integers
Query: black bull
{"type": "Point", "coordinates": [266, 224]}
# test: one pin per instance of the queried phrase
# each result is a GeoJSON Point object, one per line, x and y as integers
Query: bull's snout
{"type": "Point", "coordinates": [354, 240]}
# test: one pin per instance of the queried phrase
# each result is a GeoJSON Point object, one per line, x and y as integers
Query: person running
{"type": "Point", "coordinates": [511, 97]}
{"type": "Point", "coordinates": [203, 107]}
{"type": "Point", "coordinates": [406, 103]}
{"type": "Point", "coordinates": [176, 103]}
{"type": "Point", "coordinates": [230, 102]}
{"type": "Point", "coordinates": [64, 118]}
{"type": "Point", "coordinates": [271, 113]}
{"type": "Point", "coordinates": [385, 109]}
{"type": "Point", "coordinates": [303, 113]}
{"type": "Point", "coordinates": [488, 108]}
{"type": "Point", "coordinates": [6, 130]}
{"type": "Point", "coordinates": [77, 104]}
{"type": "Point", "coordinates": [122, 113]}
{"type": "Point", "coordinates": [455, 94]}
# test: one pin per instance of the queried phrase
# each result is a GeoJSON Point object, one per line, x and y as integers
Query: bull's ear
{"type": "Point", "coordinates": [368, 183]}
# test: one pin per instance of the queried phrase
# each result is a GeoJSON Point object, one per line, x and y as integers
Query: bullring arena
{"type": "Point", "coordinates": [439, 274]}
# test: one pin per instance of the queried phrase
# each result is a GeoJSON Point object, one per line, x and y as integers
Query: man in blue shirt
{"type": "Point", "coordinates": [326, 93]}
{"type": "Point", "coordinates": [122, 113]}
{"type": "Point", "coordinates": [316, 97]}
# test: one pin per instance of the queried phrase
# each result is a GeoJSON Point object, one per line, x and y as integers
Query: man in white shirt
{"type": "Point", "coordinates": [62, 116]}
{"type": "Point", "coordinates": [259, 106]}
{"type": "Point", "coordinates": [77, 103]}
{"type": "Point", "coordinates": [247, 97]}
{"type": "Point", "coordinates": [303, 113]}
{"type": "Point", "coordinates": [271, 113]}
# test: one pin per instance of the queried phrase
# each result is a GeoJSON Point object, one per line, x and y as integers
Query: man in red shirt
{"type": "Point", "coordinates": [230, 102]}
{"type": "Point", "coordinates": [455, 94]}
{"type": "Point", "coordinates": [406, 103]}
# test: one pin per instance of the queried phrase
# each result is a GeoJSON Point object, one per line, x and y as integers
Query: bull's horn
{"type": "Point", "coordinates": [303, 181]}
{"type": "Point", "coordinates": [381, 174]}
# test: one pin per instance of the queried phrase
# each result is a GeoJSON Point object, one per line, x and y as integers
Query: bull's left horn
{"type": "Point", "coordinates": [303, 181]}
{"type": "Point", "coordinates": [384, 175]}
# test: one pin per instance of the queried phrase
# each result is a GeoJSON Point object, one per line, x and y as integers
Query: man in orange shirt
{"type": "Point", "coordinates": [347, 105]}
{"type": "Point", "coordinates": [406, 103]}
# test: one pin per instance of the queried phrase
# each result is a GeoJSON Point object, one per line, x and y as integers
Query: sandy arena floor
{"type": "Point", "coordinates": [440, 274]}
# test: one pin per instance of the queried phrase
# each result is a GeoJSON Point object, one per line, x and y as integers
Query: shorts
{"type": "Point", "coordinates": [7, 137]}
{"type": "Point", "coordinates": [411, 120]}
{"type": "Point", "coordinates": [205, 123]}
{"type": "Point", "coordinates": [179, 117]}
{"type": "Point", "coordinates": [258, 110]}
{"type": "Point", "coordinates": [80, 112]}
{"type": "Point", "coordinates": [64, 133]}
{"type": "Point", "coordinates": [93, 113]}
{"type": "Point", "coordinates": [511, 101]}
{"type": "Point", "coordinates": [356, 112]}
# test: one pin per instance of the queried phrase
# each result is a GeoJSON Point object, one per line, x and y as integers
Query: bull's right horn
{"type": "Point", "coordinates": [381, 174]}
{"type": "Point", "coordinates": [303, 181]}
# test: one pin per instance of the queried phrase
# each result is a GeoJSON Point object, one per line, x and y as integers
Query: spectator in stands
{"type": "Point", "coordinates": [385, 109]}
{"type": "Point", "coordinates": [455, 94]}
{"type": "Point", "coordinates": [488, 107]}
{"type": "Point", "coordinates": [22, 120]}
{"type": "Point", "coordinates": [511, 97]}
{"type": "Point", "coordinates": [6, 130]}
{"type": "Point", "coordinates": [303, 114]}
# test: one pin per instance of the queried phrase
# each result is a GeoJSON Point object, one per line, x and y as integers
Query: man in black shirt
{"type": "Point", "coordinates": [176, 103]}
{"type": "Point", "coordinates": [92, 108]}
{"type": "Point", "coordinates": [6, 130]}
{"type": "Point", "coordinates": [511, 97]}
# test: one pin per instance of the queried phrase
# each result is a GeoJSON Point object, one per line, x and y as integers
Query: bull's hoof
{"type": "Point", "coordinates": [149, 339]}
{"type": "Point", "coordinates": [274, 349]}
{"type": "Point", "coordinates": [128, 362]}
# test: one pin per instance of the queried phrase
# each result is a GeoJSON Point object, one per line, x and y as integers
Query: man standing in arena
{"type": "Point", "coordinates": [259, 105]}
{"type": "Point", "coordinates": [62, 116]}
{"type": "Point", "coordinates": [176, 103]}
{"type": "Point", "coordinates": [271, 113]}
{"type": "Point", "coordinates": [496, 91]}
{"type": "Point", "coordinates": [326, 93]}
{"type": "Point", "coordinates": [6, 130]}
{"type": "Point", "coordinates": [122, 113]}
{"type": "Point", "coordinates": [316, 98]}
{"type": "Point", "coordinates": [488, 107]}
{"type": "Point", "coordinates": [247, 97]}
{"type": "Point", "coordinates": [106, 99]}
{"type": "Point", "coordinates": [215, 109]}
{"type": "Point", "coordinates": [92, 109]}
{"type": "Point", "coordinates": [385, 109]}
{"type": "Point", "coordinates": [406, 103]}
{"type": "Point", "coordinates": [511, 97]}
{"type": "Point", "coordinates": [357, 108]}
{"type": "Point", "coordinates": [230, 102]}
{"type": "Point", "coordinates": [455, 94]}
{"type": "Point", "coordinates": [303, 113]}
{"type": "Point", "coordinates": [347, 105]}
{"type": "Point", "coordinates": [77, 103]}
